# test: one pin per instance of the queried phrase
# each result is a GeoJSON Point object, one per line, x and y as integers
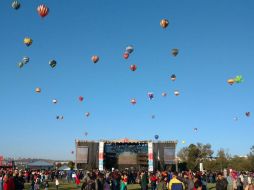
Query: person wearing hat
{"type": "Point", "coordinates": [175, 184]}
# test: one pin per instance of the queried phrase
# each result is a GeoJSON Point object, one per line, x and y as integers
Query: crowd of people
{"type": "Point", "coordinates": [118, 180]}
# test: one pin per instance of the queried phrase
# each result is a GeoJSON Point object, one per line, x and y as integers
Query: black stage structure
{"type": "Point", "coordinates": [125, 153]}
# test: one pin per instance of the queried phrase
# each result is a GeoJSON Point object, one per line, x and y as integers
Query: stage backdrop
{"type": "Point", "coordinates": [169, 155]}
{"type": "Point", "coordinates": [82, 154]}
{"type": "Point", "coordinates": [128, 158]}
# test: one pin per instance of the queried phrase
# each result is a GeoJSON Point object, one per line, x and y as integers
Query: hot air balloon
{"type": "Point", "coordinates": [150, 95]}
{"type": "Point", "coordinates": [38, 90]}
{"type": "Point", "coordinates": [25, 60]}
{"type": "Point", "coordinates": [133, 67]}
{"type": "Point", "coordinates": [87, 114]}
{"type": "Point", "coordinates": [28, 41]}
{"type": "Point", "coordinates": [238, 79]}
{"type": "Point", "coordinates": [95, 58]}
{"type": "Point", "coordinates": [86, 133]}
{"type": "Point", "coordinates": [61, 117]}
{"type": "Point", "coordinates": [164, 94]}
{"type": "Point", "coordinates": [133, 101]}
{"type": "Point", "coordinates": [195, 129]}
{"type": "Point", "coordinates": [177, 93]}
{"type": "Point", "coordinates": [72, 152]}
{"type": "Point", "coordinates": [231, 81]}
{"type": "Point", "coordinates": [54, 101]}
{"type": "Point", "coordinates": [235, 118]}
{"type": "Point", "coordinates": [15, 5]}
{"type": "Point", "coordinates": [156, 137]}
{"type": "Point", "coordinates": [153, 116]}
{"type": "Point", "coordinates": [174, 52]}
{"type": "Point", "coordinates": [81, 98]}
{"type": "Point", "coordinates": [129, 49]}
{"type": "Point", "coordinates": [164, 23]}
{"type": "Point", "coordinates": [173, 77]}
{"type": "Point", "coordinates": [42, 10]}
{"type": "Point", "coordinates": [247, 114]}
{"type": "Point", "coordinates": [126, 55]}
{"type": "Point", "coordinates": [20, 64]}
{"type": "Point", "coordinates": [52, 63]}
{"type": "Point", "coordinates": [183, 142]}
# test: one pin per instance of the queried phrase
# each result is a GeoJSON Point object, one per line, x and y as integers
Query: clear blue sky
{"type": "Point", "coordinates": [216, 42]}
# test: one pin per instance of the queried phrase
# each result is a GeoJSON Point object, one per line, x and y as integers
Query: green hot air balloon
{"type": "Point", "coordinates": [238, 79]}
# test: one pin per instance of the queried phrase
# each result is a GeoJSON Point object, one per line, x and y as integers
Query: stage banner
{"type": "Point", "coordinates": [101, 152]}
{"type": "Point", "coordinates": [169, 155]}
{"type": "Point", "coordinates": [82, 154]}
{"type": "Point", "coordinates": [150, 156]}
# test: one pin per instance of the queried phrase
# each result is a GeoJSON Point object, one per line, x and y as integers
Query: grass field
{"type": "Point", "coordinates": [71, 186]}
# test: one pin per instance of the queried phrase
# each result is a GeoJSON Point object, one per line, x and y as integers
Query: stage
{"type": "Point", "coordinates": [125, 153]}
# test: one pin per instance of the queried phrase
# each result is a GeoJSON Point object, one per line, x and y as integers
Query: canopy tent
{"type": "Point", "coordinates": [40, 165]}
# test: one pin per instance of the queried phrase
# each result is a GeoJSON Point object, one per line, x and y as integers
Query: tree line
{"type": "Point", "coordinates": [191, 156]}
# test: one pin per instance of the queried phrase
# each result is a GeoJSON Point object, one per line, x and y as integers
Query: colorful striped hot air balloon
{"type": "Point", "coordinates": [42, 10]}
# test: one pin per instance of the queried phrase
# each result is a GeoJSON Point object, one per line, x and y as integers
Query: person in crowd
{"type": "Point", "coordinates": [57, 183]}
{"type": "Point", "coordinates": [144, 181]}
{"type": "Point", "coordinates": [221, 183]}
{"type": "Point", "coordinates": [46, 186]}
{"type": "Point", "coordinates": [1, 181]}
{"type": "Point", "coordinates": [153, 180]}
{"type": "Point", "coordinates": [175, 184]}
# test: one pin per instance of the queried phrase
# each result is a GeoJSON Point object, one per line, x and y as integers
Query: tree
{"type": "Point", "coordinates": [71, 165]}
{"type": "Point", "coordinates": [194, 154]}
{"type": "Point", "coordinates": [222, 158]}
{"type": "Point", "coordinates": [251, 157]}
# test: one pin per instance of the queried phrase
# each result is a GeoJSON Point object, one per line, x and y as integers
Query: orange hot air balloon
{"type": "Point", "coordinates": [95, 58]}
{"type": "Point", "coordinates": [42, 10]}
{"type": "Point", "coordinates": [164, 23]}
{"type": "Point", "coordinates": [133, 67]}
{"type": "Point", "coordinates": [231, 81]}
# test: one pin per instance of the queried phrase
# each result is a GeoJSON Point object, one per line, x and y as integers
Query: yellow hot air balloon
{"type": "Point", "coordinates": [28, 41]}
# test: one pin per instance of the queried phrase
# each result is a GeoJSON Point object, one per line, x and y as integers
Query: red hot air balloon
{"type": "Point", "coordinates": [95, 58]}
{"type": "Point", "coordinates": [42, 10]}
{"type": "Point", "coordinates": [133, 101]}
{"type": "Point", "coordinates": [81, 98]}
{"type": "Point", "coordinates": [133, 67]}
{"type": "Point", "coordinates": [126, 55]}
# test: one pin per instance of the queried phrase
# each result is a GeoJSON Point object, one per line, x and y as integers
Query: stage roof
{"type": "Point", "coordinates": [126, 140]}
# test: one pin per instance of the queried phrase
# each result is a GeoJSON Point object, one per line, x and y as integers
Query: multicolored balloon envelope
{"type": "Point", "coordinates": [25, 60]}
{"type": "Point", "coordinates": [133, 67]}
{"type": "Point", "coordinates": [164, 94]}
{"type": "Point", "coordinates": [173, 77]}
{"type": "Point", "coordinates": [247, 114]}
{"type": "Point", "coordinates": [28, 41]}
{"type": "Point", "coordinates": [177, 93]}
{"type": "Point", "coordinates": [126, 55]}
{"type": "Point", "coordinates": [150, 95]}
{"type": "Point", "coordinates": [95, 58]}
{"type": "Point", "coordinates": [164, 23]}
{"type": "Point", "coordinates": [54, 101]}
{"type": "Point", "coordinates": [133, 101]}
{"type": "Point", "coordinates": [52, 63]}
{"type": "Point", "coordinates": [129, 49]}
{"type": "Point", "coordinates": [15, 5]}
{"type": "Point", "coordinates": [174, 52]}
{"type": "Point", "coordinates": [231, 81]}
{"type": "Point", "coordinates": [81, 98]}
{"type": "Point", "coordinates": [20, 64]}
{"type": "Point", "coordinates": [87, 114]}
{"type": "Point", "coordinates": [42, 10]}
